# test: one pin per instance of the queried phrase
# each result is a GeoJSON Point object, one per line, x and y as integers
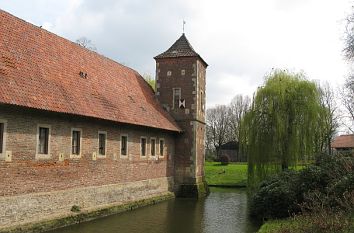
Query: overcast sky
{"type": "Point", "coordinates": [240, 40]}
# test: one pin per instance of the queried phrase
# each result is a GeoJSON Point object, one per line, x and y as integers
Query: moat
{"type": "Point", "coordinates": [224, 211]}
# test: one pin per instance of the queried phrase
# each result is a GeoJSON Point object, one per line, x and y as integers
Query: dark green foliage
{"type": "Point", "coordinates": [276, 196]}
{"type": "Point", "coordinates": [326, 184]}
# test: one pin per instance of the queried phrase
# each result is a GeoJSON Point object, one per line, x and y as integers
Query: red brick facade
{"type": "Point", "coordinates": [51, 87]}
{"type": "Point", "coordinates": [26, 174]}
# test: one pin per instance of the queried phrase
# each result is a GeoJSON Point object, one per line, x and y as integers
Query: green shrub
{"type": "Point", "coordinates": [276, 197]}
{"type": "Point", "coordinates": [325, 184]}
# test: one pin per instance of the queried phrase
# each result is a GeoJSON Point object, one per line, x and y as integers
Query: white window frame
{"type": "Point", "coordinates": [152, 156]}
{"type": "Point", "coordinates": [183, 72]}
{"type": "Point", "coordinates": [39, 156]}
{"type": "Point", "coordinates": [173, 97]}
{"type": "Point", "coordinates": [105, 145]}
{"type": "Point", "coordinates": [141, 152]}
{"type": "Point", "coordinates": [74, 156]}
{"type": "Point", "coordinates": [120, 146]}
{"type": "Point", "coordinates": [3, 154]}
{"type": "Point", "coordinates": [163, 149]}
{"type": "Point", "coordinates": [169, 73]}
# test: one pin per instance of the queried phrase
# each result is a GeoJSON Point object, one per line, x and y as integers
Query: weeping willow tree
{"type": "Point", "coordinates": [281, 127]}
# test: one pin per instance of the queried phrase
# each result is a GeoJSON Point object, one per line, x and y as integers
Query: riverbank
{"type": "Point", "coordinates": [310, 223]}
{"type": "Point", "coordinates": [232, 175]}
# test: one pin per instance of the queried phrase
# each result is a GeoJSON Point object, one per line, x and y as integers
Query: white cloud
{"type": "Point", "coordinates": [240, 40]}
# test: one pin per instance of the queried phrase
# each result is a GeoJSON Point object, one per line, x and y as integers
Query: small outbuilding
{"type": "Point", "coordinates": [343, 144]}
{"type": "Point", "coordinates": [231, 150]}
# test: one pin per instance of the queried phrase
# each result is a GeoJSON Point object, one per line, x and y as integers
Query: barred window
{"type": "Point", "coordinates": [43, 140]}
{"type": "Point", "coordinates": [162, 144]}
{"type": "Point", "coordinates": [143, 146]}
{"type": "Point", "coordinates": [2, 131]}
{"type": "Point", "coordinates": [124, 145]}
{"type": "Point", "coordinates": [153, 146]}
{"type": "Point", "coordinates": [76, 142]}
{"type": "Point", "coordinates": [102, 143]}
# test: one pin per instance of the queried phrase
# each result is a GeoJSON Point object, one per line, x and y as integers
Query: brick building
{"type": "Point", "coordinates": [79, 129]}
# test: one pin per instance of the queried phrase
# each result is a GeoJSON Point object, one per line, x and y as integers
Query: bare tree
{"type": "Point", "coordinates": [347, 96]}
{"type": "Point", "coordinates": [217, 122]}
{"type": "Point", "coordinates": [86, 43]}
{"type": "Point", "coordinates": [237, 109]}
{"type": "Point", "coordinates": [330, 119]}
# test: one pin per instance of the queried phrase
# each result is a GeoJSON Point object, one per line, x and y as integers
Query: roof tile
{"type": "Point", "coordinates": [41, 70]}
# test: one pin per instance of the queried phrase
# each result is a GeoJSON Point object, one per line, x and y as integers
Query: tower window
{"type": "Point", "coordinates": [176, 97]}
{"type": "Point", "coordinates": [169, 73]}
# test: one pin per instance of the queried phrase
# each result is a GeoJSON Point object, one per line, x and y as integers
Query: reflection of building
{"type": "Point", "coordinates": [343, 144]}
{"type": "Point", "coordinates": [79, 129]}
{"type": "Point", "coordinates": [231, 150]}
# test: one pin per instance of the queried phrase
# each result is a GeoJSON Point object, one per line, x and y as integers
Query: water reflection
{"type": "Point", "coordinates": [224, 210]}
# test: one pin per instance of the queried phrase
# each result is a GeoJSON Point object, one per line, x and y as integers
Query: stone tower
{"type": "Point", "coordinates": [180, 88]}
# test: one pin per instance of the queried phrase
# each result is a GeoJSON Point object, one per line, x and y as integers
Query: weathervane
{"type": "Point", "coordinates": [184, 22]}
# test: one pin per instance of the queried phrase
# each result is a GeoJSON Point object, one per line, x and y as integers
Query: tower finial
{"type": "Point", "coordinates": [184, 22]}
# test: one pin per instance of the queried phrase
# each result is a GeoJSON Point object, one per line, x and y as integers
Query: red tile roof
{"type": "Point", "coordinates": [343, 141]}
{"type": "Point", "coordinates": [41, 70]}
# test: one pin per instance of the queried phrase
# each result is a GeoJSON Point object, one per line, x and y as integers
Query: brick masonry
{"type": "Point", "coordinates": [25, 176]}
{"type": "Point", "coordinates": [37, 207]}
{"type": "Point", "coordinates": [187, 73]}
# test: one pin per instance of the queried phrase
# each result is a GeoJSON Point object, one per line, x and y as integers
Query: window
{"type": "Point", "coordinates": [143, 146]}
{"type": "Point", "coordinates": [43, 140]}
{"type": "Point", "coordinates": [162, 144]}
{"type": "Point", "coordinates": [183, 72]}
{"type": "Point", "coordinates": [76, 142]}
{"type": "Point", "coordinates": [124, 145]}
{"type": "Point", "coordinates": [169, 73]}
{"type": "Point", "coordinates": [102, 136]}
{"type": "Point", "coordinates": [153, 147]}
{"type": "Point", "coordinates": [2, 132]}
{"type": "Point", "coordinates": [176, 97]}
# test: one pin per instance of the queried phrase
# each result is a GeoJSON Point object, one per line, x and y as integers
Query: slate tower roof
{"type": "Point", "coordinates": [41, 70]}
{"type": "Point", "coordinates": [181, 48]}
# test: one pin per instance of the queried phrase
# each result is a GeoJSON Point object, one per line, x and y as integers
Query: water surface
{"type": "Point", "coordinates": [224, 211]}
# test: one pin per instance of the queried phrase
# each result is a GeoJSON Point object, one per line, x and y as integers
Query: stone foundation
{"type": "Point", "coordinates": [43, 211]}
{"type": "Point", "coordinates": [197, 190]}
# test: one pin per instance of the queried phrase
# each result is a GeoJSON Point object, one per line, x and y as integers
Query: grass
{"type": "Point", "coordinates": [333, 223]}
{"type": "Point", "coordinates": [234, 174]}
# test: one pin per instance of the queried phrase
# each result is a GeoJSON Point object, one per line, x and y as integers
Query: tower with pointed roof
{"type": "Point", "coordinates": [180, 88]}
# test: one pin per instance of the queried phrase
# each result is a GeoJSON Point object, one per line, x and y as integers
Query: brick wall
{"type": "Point", "coordinates": [26, 174]}
{"type": "Point", "coordinates": [187, 73]}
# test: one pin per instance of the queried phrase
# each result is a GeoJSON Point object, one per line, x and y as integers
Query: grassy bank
{"type": "Point", "coordinates": [234, 174]}
{"type": "Point", "coordinates": [311, 223]}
